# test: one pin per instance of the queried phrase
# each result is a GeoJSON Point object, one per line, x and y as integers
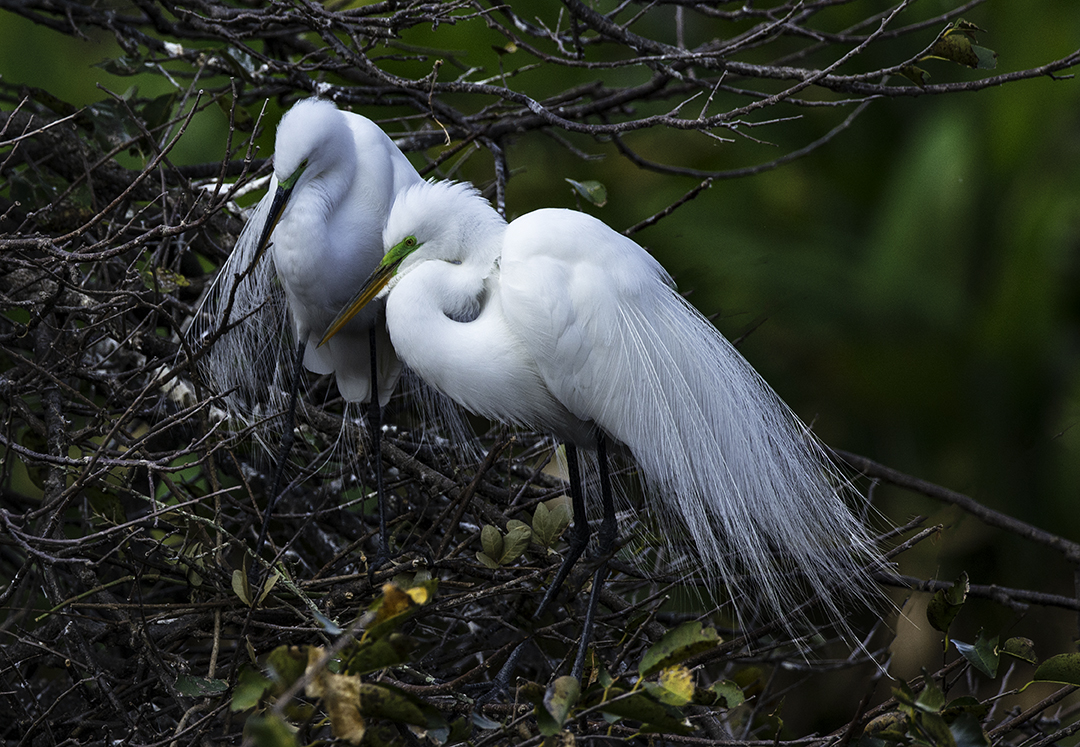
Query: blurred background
{"type": "Point", "coordinates": [912, 289]}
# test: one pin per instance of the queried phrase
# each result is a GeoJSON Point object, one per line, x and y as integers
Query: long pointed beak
{"type": "Point", "coordinates": [277, 208]}
{"type": "Point", "coordinates": [371, 288]}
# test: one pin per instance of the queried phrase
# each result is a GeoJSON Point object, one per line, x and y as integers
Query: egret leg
{"type": "Point", "coordinates": [375, 432]}
{"type": "Point", "coordinates": [605, 542]}
{"type": "Point", "coordinates": [579, 540]}
{"type": "Point", "coordinates": [283, 456]}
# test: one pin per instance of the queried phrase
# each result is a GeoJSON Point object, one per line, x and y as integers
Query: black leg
{"type": "Point", "coordinates": [375, 432]}
{"type": "Point", "coordinates": [605, 543]}
{"type": "Point", "coordinates": [579, 540]}
{"type": "Point", "coordinates": [283, 457]}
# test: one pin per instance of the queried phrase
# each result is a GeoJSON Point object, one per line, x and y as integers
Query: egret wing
{"type": "Point", "coordinates": [618, 346]}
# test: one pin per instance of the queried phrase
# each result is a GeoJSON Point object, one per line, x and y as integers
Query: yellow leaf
{"type": "Point", "coordinates": [341, 695]}
{"type": "Point", "coordinates": [395, 601]}
{"type": "Point", "coordinates": [679, 682]}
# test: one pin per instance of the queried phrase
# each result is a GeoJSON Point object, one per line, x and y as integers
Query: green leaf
{"type": "Point", "coordinates": [931, 699]}
{"type": "Point", "coordinates": [157, 111]}
{"type": "Point", "coordinates": [677, 645]}
{"type": "Point", "coordinates": [1063, 668]}
{"type": "Point", "coordinates": [517, 540]}
{"type": "Point", "coordinates": [675, 686]}
{"type": "Point", "coordinates": [124, 66]}
{"type": "Point", "coordinates": [550, 520]}
{"type": "Point", "coordinates": [982, 654]}
{"type": "Point", "coordinates": [269, 731]}
{"type": "Point", "coordinates": [946, 604]}
{"type": "Point", "coordinates": [557, 704]}
{"type": "Point", "coordinates": [967, 732]}
{"type": "Point", "coordinates": [487, 561]}
{"type": "Point", "coordinates": [286, 665]}
{"type": "Point", "coordinates": [491, 540]}
{"type": "Point", "coordinates": [268, 585]}
{"type": "Point", "coordinates": [396, 605]}
{"type": "Point", "coordinates": [638, 706]}
{"type": "Point", "coordinates": [966, 704]}
{"type": "Point", "coordinates": [199, 687]}
{"type": "Point", "coordinates": [460, 731]}
{"type": "Point", "coordinates": [725, 692]}
{"type": "Point", "coordinates": [591, 190]}
{"type": "Point", "coordinates": [374, 655]}
{"type": "Point", "coordinates": [903, 694]}
{"type": "Point", "coordinates": [956, 44]}
{"type": "Point", "coordinates": [915, 74]}
{"type": "Point", "coordinates": [240, 586]}
{"type": "Point", "coordinates": [936, 730]}
{"type": "Point", "coordinates": [987, 57]}
{"type": "Point", "coordinates": [955, 48]}
{"type": "Point", "coordinates": [385, 701]}
{"type": "Point", "coordinates": [251, 685]}
{"type": "Point", "coordinates": [1020, 648]}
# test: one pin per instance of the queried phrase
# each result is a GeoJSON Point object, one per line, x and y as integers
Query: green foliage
{"type": "Point", "coordinates": [677, 645]}
{"type": "Point", "coordinates": [955, 44]}
{"type": "Point", "coordinates": [336, 682]}
{"type": "Point", "coordinates": [927, 719]}
{"type": "Point", "coordinates": [500, 549]}
{"type": "Point", "coordinates": [591, 190]}
{"type": "Point", "coordinates": [550, 520]}
{"type": "Point", "coordinates": [983, 654]}
{"type": "Point", "coordinates": [1063, 668]}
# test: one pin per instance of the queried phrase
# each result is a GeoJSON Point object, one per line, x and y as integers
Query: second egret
{"type": "Point", "coordinates": [336, 175]}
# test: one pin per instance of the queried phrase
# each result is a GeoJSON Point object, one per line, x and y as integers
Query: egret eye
{"type": "Point", "coordinates": [410, 241]}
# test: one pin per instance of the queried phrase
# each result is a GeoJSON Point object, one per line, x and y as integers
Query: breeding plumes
{"type": "Point", "coordinates": [556, 322]}
{"type": "Point", "coordinates": [336, 175]}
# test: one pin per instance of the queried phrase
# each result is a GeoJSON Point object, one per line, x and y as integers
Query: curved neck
{"type": "Point", "coordinates": [447, 324]}
{"type": "Point", "coordinates": [333, 169]}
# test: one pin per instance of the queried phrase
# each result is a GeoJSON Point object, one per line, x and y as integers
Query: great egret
{"type": "Point", "coordinates": [336, 174]}
{"type": "Point", "coordinates": [557, 322]}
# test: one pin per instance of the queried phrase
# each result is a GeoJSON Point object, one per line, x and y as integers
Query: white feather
{"type": "Point", "coordinates": [575, 328]}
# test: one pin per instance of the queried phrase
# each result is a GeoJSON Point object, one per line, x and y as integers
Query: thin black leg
{"type": "Point", "coordinates": [375, 433]}
{"type": "Point", "coordinates": [283, 457]}
{"type": "Point", "coordinates": [605, 543]}
{"type": "Point", "coordinates": [579, 540]}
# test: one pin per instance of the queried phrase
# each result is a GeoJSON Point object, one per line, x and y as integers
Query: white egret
{"type": "Point", "coordinates": [336, 174]}
{"type": "Point", "coordinates": [557, 322]}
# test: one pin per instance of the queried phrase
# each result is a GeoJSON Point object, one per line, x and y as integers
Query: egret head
{"type": "Point", "coordinates": [312, 139]}
{"type": "Point", "coordinates": [375, 284]}
{"type": "Point", "coordinates": [445, 221]}
{"type": "Point", "coordinates": [451, 221]}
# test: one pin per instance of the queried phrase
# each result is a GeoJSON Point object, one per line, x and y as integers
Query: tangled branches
{"type": "Point", "coordinates": [129, 508]}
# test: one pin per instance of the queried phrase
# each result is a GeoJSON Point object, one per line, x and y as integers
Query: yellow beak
{"type": "Point", "coordinates": [371, 288]}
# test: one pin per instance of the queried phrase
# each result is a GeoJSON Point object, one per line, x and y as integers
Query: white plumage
{"type": "Point", "coordinates": [336, 174]}
{"type": "Point", "coordinates": [557, 322]}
